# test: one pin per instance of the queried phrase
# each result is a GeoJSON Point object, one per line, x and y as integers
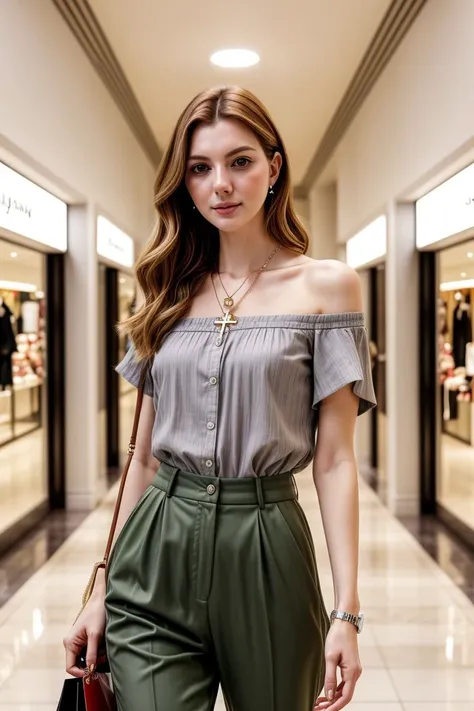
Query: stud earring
{"type": "Point", "coordinates": [194, 207]}
{"type": "Point", "coordinates": [271, 192]}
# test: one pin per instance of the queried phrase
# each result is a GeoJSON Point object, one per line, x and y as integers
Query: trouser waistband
{"type": "Point", "coordinates": [210, 489]}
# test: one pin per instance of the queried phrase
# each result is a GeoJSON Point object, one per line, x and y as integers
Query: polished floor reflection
{"type": "Point", "coordinates": [22, 477]}
{"type": "Point", "coordinates": [417, 649]}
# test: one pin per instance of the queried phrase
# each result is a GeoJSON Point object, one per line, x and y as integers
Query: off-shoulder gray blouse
{"type": "Point", "coordinates": [247, 404]}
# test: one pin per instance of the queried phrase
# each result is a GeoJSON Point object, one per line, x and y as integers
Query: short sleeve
{"type": "Point", "coordinates": [341, 356]}
{"type": "Point", "coordinates": [130, 369]}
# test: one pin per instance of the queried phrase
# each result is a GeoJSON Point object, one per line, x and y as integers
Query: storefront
{"type": "Point", "coordinates": [445, 234]}
{"type": "Point", "coordinates": [366, 252]}
{"type": "Point", "coordinates": [33, 241]}
{"type": "Point", "coordinates": [117, 296]}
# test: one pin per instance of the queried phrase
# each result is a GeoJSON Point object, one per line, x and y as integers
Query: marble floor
{"type": "Point", "coordinates": [417, 648]}
{"type": "Point", "coordinates": [23, 484]}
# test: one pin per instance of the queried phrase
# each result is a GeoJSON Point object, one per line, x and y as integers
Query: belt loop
{"type": "Point", "coordinates": [295, 488]}
{"type": "Point", "coordinates": [169, 489]}
{"type": "Point", "coordinates": [260, 498]}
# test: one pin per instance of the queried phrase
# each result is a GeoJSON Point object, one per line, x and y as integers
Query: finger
{"type": "Point", "coordinates": [71, 666]}
{"type": "Point", "coordinates": [324, 703]}
{"type": "Point", "coordinates": [92, 647]}
{"type": "Point", "coordinates": [330, 681]}
{"type": "Point", "coordinates": [345, 694]}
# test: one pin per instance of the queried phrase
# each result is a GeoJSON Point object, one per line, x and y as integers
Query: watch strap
{"type": "Point", "coordinates": [355, 620]}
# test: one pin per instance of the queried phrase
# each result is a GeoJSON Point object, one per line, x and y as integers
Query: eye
{"type": "Point", "coordinates": [199, 168]}
{"type": "Point", "coordinates": [242, 162]}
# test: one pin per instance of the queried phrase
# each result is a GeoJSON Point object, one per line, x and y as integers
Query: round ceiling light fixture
{"type": "Point", "coordinates": [233, 58]}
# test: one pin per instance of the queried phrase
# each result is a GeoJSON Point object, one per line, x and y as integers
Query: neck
{"type": "Point", "coordinates": [245, 250]}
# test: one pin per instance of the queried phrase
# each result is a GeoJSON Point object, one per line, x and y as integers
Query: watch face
{"type": "Point", "coordinates": [361, 623]}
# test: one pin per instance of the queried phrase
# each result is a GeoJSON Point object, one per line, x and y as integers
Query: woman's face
{"type": "Point", "coordinates": [228, 175]}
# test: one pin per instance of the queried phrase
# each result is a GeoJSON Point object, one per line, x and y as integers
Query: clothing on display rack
{"type": "Point", "coordinates": [451, 387]}
{"type": "Point", "coordinates": [7, 345]}
{"type": "Point", "coordinates": [462, 331]}
{"type": "Point", "coordinates": [442, 317]}
{"type": "Point", "coordinates": [470, 360]}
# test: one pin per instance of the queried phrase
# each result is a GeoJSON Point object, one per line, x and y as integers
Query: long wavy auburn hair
{"type": "Point", "coordinates": [185, 247]}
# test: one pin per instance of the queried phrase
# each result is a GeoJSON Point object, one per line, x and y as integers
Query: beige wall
{"type": "Point", "coordinates": [323, 222]}
{"type": "Point", "coordinates": [419, 114]}
{"type": "Point", "coordinates": [55, 109]}
{"type": "Point", "coordinates": [302, 210]}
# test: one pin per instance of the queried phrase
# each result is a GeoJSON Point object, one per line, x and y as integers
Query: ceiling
{"type": "Point", "coordinates": [309, 49]}
{"type": "Point", "coordinates": [454, 262]}
{"type": "Point", "coordinates": [26, 267]}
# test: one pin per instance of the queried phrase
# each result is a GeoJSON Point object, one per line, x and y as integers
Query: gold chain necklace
{"type": "Point", "coordinates": [228, 318]}
{"type": "Point", "coordinates": [229, 300]}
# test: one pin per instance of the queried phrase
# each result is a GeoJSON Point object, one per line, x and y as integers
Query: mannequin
{"type": "Point", "coordinates": [7, 345]}
{"type": "Point", "coordinates": [462, 330]}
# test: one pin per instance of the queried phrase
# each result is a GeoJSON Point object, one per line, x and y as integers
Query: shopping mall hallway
{"type": "Point", "coordinates": [417, 647]}
{"type": "Point", "coordinates": [266, 205]}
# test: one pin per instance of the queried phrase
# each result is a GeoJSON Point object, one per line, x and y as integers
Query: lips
{"type": "Point", "coordinates": [226, 208]}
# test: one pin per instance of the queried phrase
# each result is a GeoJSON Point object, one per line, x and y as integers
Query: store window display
{"type": "Point", "coordinates": [23, 351]}
{"type": "Point", "coordinates": [455, 480]}
{"type": "Point", "coordinates": [7, 345]}
{"type": "Point", "coordinates": [127, 304]}
{"type": "Point", "coordinates": [455, 336]}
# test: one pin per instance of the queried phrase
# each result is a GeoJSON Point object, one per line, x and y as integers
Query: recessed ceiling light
{"type": "Point", "coordinates": [13, 255]}
{"type": "Point", "coordinates": [463, 274]}
{"type": "Point", "coordinates": [122, 280]}
{"type": "Point", "coordinates": [235, 58]}
{"type": "Point", "coordinates": [470, 255]}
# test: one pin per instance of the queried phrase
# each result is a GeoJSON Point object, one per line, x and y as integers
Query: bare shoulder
{"type": "Point", "coordinates": [335, 285]}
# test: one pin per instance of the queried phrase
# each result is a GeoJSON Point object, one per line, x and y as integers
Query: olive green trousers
{"type": "Point", "coordinates": [214, 581]}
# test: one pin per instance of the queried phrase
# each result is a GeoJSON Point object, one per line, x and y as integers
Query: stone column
{"type": "Point", "coordinates": [82, 362]}
{"type": "Point", "coordinates": [402, 361]}
{"type": "Point", "coordinates": [363, 433]}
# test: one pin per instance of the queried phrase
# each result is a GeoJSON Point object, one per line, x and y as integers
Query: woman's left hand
{"type": "Point", "coordinates": [341, 651]}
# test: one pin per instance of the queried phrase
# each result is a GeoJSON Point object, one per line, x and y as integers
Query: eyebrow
{"type": "Point", "coordinates": [227, 155]}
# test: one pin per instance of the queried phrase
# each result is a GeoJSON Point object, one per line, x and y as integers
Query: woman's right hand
{"type": "Point", "coordinates": [88, 630]}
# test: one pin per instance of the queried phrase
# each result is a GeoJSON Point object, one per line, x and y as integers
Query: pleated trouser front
{"type": "Point", "coordinates": [214, 581]}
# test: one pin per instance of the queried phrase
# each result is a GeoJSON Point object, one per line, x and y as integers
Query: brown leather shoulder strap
{"type": "Point", "coordinates": [131, 450]}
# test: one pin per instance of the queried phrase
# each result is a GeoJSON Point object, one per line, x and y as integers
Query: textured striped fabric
{"type": "Point", "coordinates": [247, 404]}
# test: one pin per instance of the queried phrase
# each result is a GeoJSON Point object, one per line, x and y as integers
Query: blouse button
{"type": "Point", "coordinates": [208, 463]}
{"type": "Point", "coordinates": [210, 425]}
{"type": "Point", "coordinates": [213, 380]}
{"type": "Point", "coordinates": [218, 341]}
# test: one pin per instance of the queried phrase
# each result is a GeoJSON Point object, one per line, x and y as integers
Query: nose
{"type": "Point", "coordinates": [222, 182]}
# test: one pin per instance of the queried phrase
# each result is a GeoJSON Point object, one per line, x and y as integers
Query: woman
{"type": "Point", "coordinates": [250, 346]}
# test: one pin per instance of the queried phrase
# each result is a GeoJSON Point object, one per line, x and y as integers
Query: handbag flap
{"type": "Point", "coordinates": [98, 694]}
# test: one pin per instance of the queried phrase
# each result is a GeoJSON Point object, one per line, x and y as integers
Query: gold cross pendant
{"type": "Point", "coordinates": [227, 320]}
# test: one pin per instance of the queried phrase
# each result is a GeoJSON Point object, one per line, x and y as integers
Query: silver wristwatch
{"type": "Point", "coordinates": [356, 620]}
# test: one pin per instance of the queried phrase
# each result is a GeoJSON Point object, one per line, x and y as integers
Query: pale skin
{"type": "Point", "coordinates": [292, 284]}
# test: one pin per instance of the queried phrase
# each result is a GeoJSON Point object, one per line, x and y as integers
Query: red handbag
{"type": "Point", "coordinates": [93, 692]}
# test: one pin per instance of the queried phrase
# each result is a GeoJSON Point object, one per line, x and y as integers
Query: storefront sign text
{"type": "Point", "coordinates": [447, 210]}
{"type": "Point", "coordinates": [30, 211]}
{"type": "Point", "coordinates": [113, 244]}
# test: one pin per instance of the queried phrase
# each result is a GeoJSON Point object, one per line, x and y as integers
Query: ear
{"type": "Point", "coordinates": [275, 167]}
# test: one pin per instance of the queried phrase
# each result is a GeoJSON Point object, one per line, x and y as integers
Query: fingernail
{"type": "Point", "coordinates": [92, 668]}
{"type": "Point", "coordinates": [330, 694]}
